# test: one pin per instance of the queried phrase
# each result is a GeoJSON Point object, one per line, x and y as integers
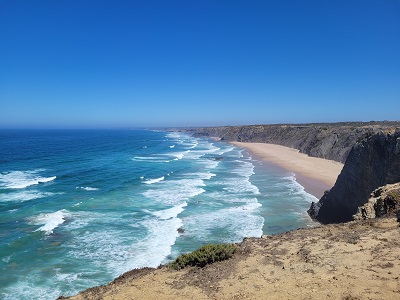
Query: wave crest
{"type": "Point", "coordinates": [22, 179]}
{"type": "Point", "coordinates": [49, 221]}
{"type": "Point", "coordinates": [151, 181]}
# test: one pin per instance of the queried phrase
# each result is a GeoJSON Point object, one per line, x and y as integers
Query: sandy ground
{"type": "Point", "coordinates": [356, 260]}
{"type": "Point", "coordinates": [316, 175]}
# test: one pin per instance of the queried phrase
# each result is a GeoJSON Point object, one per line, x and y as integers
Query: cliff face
{"type": "Point", "coordinates": [331, 141]}
{"type": "Point", "coordinates": [371, 164]}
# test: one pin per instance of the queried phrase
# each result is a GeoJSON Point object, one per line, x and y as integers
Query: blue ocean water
{"type": "Point", "coordinates": [79, 208]}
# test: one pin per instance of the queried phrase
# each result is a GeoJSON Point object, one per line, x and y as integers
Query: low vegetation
{"type": "Point", "coordinates": [205, 255]}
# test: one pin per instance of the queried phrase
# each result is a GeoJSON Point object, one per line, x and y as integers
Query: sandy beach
{"type": "Point", "coordinates": [316, 175]}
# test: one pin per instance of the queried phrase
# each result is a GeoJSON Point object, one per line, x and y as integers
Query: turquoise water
{"type": "Point", "coordinates": [79, 208]}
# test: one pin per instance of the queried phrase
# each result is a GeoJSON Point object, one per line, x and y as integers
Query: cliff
{"type": "Point", "coordinates": [326, 140]}
{"type": "Point", "coordinates": [372, 163]}
{"type": "Point", "coordinates": [355, 260]}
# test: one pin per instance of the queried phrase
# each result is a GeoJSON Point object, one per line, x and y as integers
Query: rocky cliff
{"type": "Point", "coordinates": [372, 163]}
{"type": "Point", "coordinates": [326, 140]}
{"type": "Point", "coordinates": [383, 202]}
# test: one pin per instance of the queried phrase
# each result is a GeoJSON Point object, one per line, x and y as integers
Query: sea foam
{"type": "Point", "coordinates": [49, 221]}
{"type": "Point", "coordinates": [151, 181]}
{"type": "Point", "coordinates": [297, 189]}
{"type": "Point", "coordinates": [22, 179]}
{"type": "Point", "coordinates": [240, 186]}
{"type": "Point", "coordinates": [176, 191]}
{"type": "Point", "coordinates": [179, 155]}
{"type": "Point", "coordinates": [170, 212]}
{"type": "Point", "coordinates": [173, 135]}
{"type": "Point", "coordinates": [24, 196]}
{"type": "Point", "coordinates": [87, 188]}
{"type": "Point", "coordinates": [241, 221]}
{"type": "Point", "coordinates": [119, 251]}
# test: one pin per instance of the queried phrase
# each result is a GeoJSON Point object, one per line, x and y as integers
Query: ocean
{"type": "Point", "coordinates": [80, 207]}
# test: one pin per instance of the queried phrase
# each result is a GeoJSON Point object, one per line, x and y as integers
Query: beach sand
{"type": "Point", "coordinates": [316, 175]}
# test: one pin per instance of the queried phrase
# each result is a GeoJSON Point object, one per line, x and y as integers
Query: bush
{"type": "Point", "coordinates": [203, 256]}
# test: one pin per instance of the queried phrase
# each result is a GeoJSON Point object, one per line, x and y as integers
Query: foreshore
{"type": "Point", "coordinates": [316, 175]}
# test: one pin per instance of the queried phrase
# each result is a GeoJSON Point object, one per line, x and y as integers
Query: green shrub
{"type": "Point", "coordinates": [205, 255]}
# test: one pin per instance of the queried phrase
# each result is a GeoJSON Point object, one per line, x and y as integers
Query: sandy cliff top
{"type": "Point", "coordinates": [355, 260]}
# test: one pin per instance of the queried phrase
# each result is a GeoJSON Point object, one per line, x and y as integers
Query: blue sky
{"type": "Point", "coordinates": [193, 63]}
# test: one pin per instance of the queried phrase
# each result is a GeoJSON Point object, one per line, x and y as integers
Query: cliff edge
{"type": "Point", "coordinates": [372, 163]}
{"type": "Point", "coordinates": [355, 260]}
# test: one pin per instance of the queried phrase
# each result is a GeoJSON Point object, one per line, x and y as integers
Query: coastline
{"type": "Point", "coordinates": [324, 261]}
{"type": "Point", "coordinates": [316, 175]}
{"type": "Point", "coordinates": [339, 261]}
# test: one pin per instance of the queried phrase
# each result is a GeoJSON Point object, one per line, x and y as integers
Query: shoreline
{"type": "Point", "coordinates": [316, 175]}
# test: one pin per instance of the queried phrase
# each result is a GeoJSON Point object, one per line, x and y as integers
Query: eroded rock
{"type": "Point", "coordinates": [384, 201]}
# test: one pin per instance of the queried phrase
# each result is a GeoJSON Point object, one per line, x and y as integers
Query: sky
{"type": "Point", "coordinates": [80, 63]}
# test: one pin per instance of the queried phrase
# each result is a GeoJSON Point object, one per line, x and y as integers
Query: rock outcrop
{"type": "Point", "coordinates": [383, 202]}
{"type": "Point", "coordinates": [372, 163]}
{"type": "Point", "coordinates": [326, 140]}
